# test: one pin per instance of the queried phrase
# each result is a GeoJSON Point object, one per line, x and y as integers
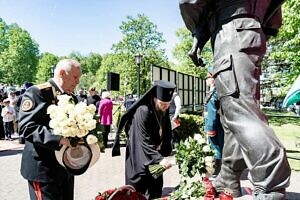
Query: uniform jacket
{"type": "Point", "coordinates": [38, 160]}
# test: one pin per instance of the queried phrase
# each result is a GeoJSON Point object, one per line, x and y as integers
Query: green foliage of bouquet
{"type": "Point", "coordinates": [77, 122]}
{"type": "Point", "coordinates": [188, 191]}
{"type": "Point", "coordinates": [193, 123]}
{"type": "Point", "coordinates": [194, 156]}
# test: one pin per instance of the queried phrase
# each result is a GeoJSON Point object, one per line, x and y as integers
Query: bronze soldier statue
{"type": "Point", "coordinates": [238, 30]}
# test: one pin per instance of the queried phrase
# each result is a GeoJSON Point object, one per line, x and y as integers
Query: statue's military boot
{"type": "Point", "coordinates": [234, 187]}
{"type": "Point", "coordinates": [274, 195]}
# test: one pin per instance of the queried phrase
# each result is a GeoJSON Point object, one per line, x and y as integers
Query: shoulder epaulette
{"type": "Point", "coordinates": [48, 86]}
{"type": "Point", "coordinates": [44, 85]}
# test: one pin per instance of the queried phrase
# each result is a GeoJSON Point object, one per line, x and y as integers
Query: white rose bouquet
{"type": "Point", "coordinates": [77, 122]}
{"type": "Point", "coordinates": [194, 156]}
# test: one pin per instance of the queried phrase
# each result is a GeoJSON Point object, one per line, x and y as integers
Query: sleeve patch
{"type": "Point", "coordinates": [26, 105]}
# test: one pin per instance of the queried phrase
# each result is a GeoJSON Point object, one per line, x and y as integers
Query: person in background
{"type": "Point", "coordinates": [106, 116]}
{"type": "Point", "coordinates": [47, 179]}
{"type": "Point", "coordinates": [174, 112]}
{"type": "Point", "coordinates": [8, 115]}
{"type": "Point", "coordinates": [2, 134]}
{"type": "Point", "coordinates": [13, 98]}
{"type": "Point", "coordinates": [213, 127]}
{"type": "Point", "coordinates": [81, 96]}
{"type": "Point", "coordinates": [93, 98]}
{"type": "Point", "coordinates": [129, 101]}
{"type": "Point", "coordinates": [148, 129]}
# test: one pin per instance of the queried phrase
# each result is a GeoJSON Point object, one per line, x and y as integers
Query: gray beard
{"type": "Point", "coordinates": [160, 112]}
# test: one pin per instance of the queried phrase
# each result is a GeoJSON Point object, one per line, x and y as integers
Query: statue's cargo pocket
{"type": "Point", "coordinates": [225, 77]}
{"type": "Point", "coordinates": [248, 33]}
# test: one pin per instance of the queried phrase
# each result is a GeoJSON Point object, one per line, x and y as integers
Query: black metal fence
{"type": "Point", "coordinates": [191, 89]}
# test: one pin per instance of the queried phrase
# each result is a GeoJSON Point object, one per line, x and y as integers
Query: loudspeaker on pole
{"type": "Point", "coordinates": [113, 81]}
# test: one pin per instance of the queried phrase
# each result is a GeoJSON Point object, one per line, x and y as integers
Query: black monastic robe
{"type": "Point", "coordinates": [149, 140]}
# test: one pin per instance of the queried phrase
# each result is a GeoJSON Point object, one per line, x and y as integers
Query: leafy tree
{"type": "Point", "coordinates": [140, 36]}
{"type": "Point", "coordinates": [3, 35]}
{"type": "Point", "coordinates": [283, 54]}
{"type": "Point", "coordinates": [19, 56]}
{"type": "Point", "coordinates": [47, 60]}
{"type": "Point", "coordinates": [116, 63]}
{"type": "Point", "coordinates": [91, 63]}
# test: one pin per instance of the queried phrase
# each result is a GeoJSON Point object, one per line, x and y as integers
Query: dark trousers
{"type": "Point", "coordinates": [8, 129]}
{"type": "Point", "coordinates": [105, 134]}
{"type": "Point", "coordinates": [52, 191]}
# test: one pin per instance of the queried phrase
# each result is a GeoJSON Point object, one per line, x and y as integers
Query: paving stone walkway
{"type": "Point", "coordinates": [107, 173]}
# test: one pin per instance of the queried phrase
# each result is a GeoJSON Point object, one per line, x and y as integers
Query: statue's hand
{"type": "Point", "coordinates": [193, 53]}
{"type": "Point", "coordinates": [196, 60]}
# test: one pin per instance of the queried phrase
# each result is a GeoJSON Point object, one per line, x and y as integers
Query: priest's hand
{"type": "Point", "coordinates": [165, 163]}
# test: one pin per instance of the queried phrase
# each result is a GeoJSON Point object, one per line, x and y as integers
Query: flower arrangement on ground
{"type": "Point", "coordinates": [194, 157]}
{"type": "Point", "coordinates": [126, 192]}
{"type": "Point", "coordinates": [77, 122]}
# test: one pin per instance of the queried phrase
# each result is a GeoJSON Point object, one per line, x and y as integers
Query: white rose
{"type": "Point", "coordinates": [61, 116]}
{"type": "Point", "coordinates": [199, 139]}
{"type": "Point", "coordinates": [91, 139]}
{"type": "Point", "coordinates": [209, 159]}
{"type": "Point", "coordinates": [52, 123]}
{"type": "Point", "coordinates": [56, 132]}
{"type": "Point", "coordinates": [88, 116]}
{"type": "Point", "coordinates": [186, 143]}
{"type": "Point", "coordinates": [206, 148]}
{"type": "Point", "coordinates": [73, 131]}
{"type": "Point", "coordinates": [91, 108]}
{"type": "Point", "coordinates": [80, 108]}
{"type": "Point", "coordinates": [70, 108]}
{"type": "Point", "coordinates": [51, 109]}
{"type": "Point", "coordinates": [91, 124]}
{"type": "Point", "coordinates": [79, 118]}
{"type": "Point", "coordinates": [63, 99]}
{"type": "Point", "coordinates": [81, 133]}
{"type": "Point", "coordinates": [82, 125]}
{"type": "Point", "coordinates": [202, 141]}
{"type": "Point", "coordinates": [210, 170]}
{"type": "Point", "coordinates": [67, 132]}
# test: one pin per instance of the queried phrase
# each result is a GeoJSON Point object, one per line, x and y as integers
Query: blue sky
{"type": "Point", "coordinates": [62, 26]}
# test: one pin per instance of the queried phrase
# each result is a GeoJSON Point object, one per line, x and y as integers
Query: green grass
{"type": "Point", "coordinates": [287, 129]}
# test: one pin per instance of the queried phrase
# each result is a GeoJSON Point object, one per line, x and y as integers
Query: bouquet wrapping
{"type": "Point", "coordinates": [156, 170]}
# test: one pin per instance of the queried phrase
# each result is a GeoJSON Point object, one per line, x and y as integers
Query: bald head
{"type": "Point", "coordinates": [67, 74]}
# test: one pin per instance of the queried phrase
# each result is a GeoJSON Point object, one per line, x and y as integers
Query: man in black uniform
{"type": "Point", "coordinates": [238, 30]}
{"type": "Point", "coordinates": [47, 179]}
{"type": "Point", "coordinates": [148, 130]}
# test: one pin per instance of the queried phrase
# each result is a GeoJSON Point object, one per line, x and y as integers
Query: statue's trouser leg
{"type": "Point", "coordinates": [232, 165]}
{"type": "Point", "coordinates": [236, 80]}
